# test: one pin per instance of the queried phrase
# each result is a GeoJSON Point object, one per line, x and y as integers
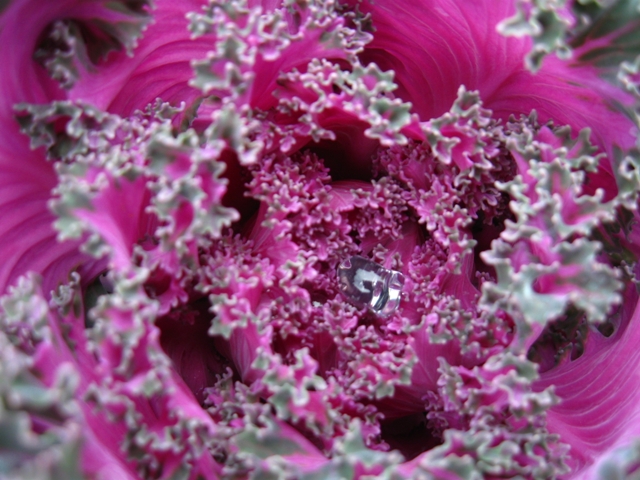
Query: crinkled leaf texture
{"type": "Point", "coordinates": [179, 182]}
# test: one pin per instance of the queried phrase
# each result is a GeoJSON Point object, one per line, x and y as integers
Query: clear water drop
{"type": "Point", "coordinates": [366, 284]}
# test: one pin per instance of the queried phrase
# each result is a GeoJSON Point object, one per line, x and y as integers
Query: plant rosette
{"type": "Point", "coordinates": [319, 240]}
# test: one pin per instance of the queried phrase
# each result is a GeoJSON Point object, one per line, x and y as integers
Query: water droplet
{"type": "Point", "coordinates": [365, 283]}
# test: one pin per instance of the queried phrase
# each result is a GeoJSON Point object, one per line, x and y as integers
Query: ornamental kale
{"type": "Point", "coordinates": [304, 239]}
